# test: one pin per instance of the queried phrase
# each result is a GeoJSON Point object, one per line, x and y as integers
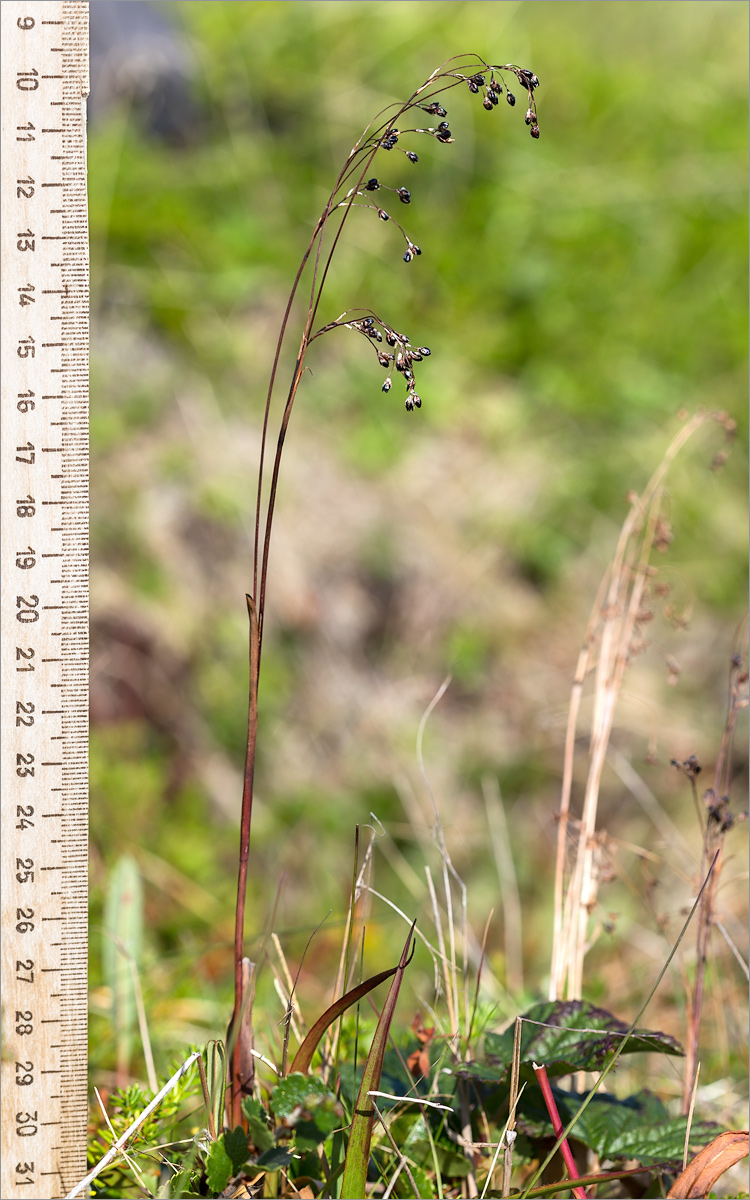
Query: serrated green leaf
{"type": "Point", "coordinates": [235, 1144]}
{"type": "Point", "coordinates": [218, 1168]}
{"type": "Point", "coordinates": [566, 1036]}
{"type": "Point", "coordinates": [636, 1127]}
{"type": "Point", "coordinates": [293, 1091]}
{"type": "Point", "coordinates": [253, 1108]}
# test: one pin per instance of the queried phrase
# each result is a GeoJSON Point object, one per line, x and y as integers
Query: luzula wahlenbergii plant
{"type": "Point", "coordinates": [398, 129]}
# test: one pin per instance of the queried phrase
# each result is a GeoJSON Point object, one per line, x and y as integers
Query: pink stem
{"type": "Point", "coordinates": [557, 1125]}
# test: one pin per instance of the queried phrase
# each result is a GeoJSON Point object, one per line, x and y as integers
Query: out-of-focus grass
{"type": "Point", "coordinates": [576, 293]}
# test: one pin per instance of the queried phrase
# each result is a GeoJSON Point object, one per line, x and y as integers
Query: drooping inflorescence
{"type": "Point", "coordinates": [490, 84]}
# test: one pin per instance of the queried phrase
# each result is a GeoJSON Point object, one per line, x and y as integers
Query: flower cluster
{"type": "Point", "coordinates": [400, 357]}
{"type": "Point", "coordinates": [489, 83]}
{"type": "Point", "coordinates": [492, 90]}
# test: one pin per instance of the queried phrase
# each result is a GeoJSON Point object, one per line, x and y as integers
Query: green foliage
{"type": "Point", "coordinates": [637, 1127]}
{"type": "Point", "coordinates": [363, 1116]}
{"type": "Point", "coordinates": [216, 1077]}
{"type": "Point", "coordinates": [566, 1037]}
{"type": "Point", "coordinates": [121, 951]}
{"type": "Point", "coordinates": [218, 1167]}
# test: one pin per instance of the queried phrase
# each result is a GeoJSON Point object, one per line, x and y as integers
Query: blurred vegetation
{"type": "Point", "coordinates": [577, 293]}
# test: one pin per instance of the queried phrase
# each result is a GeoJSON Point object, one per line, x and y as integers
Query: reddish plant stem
{"type": "Point", "coordinates": [237, 1082]}
{"type": "Point", "coordinates": [557, 1125]}
{"type": "Point", "coordinates": [705, 921]}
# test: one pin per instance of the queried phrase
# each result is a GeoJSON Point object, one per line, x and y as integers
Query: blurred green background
{"type": "Point", "coordinates": [577, 293]}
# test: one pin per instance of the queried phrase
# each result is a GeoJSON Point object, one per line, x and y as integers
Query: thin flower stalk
{"type": "Point", "coordinates": [353, 188]}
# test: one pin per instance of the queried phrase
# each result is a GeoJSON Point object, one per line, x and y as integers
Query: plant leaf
{"type": "Point", "coordinates": [216, 1080]}
{"type": "Point", "coordinates": [360, 1132]}
{"type": "Point", "coordinates": [235, 1144]}
{"type": "Point", "coordinates": [310, 1108]}
{"type": "Point", "coordinates": [713, 1160]}
{"type": "Point", "coordinates": [121, 950]}
{"type": "Point", "coordinates": [638, 1127]}
{"type": "Point", "coordinates": [303, 1057]}
{"type": "Point", "coordinates": [274, 1159]}
{"type": "Point", "coordinates": [566, 1036]}
{"type": "Point", "coordinates": [292, 1092]}
{"type": "Point", "coordinates": [257, 1124]}
{"type": "Point", "coordinates": [218, 1168]}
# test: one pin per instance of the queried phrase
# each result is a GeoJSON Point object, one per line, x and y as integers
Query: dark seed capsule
{"type": "Point", "coordinates": [494, 99]}
{"type": "Point", "coordinates": [412, 157]}
{"type": "Point", "coordinates": [377, 335]}
{"type": "Point", "coordinates": [534, 131]}
{"type": "Point", "coordinates": [510, 98]}
{"type": "Point", "coordinates": [368, 322]}
{"type": "Point", "coordinates": [473, 87]}
{"type": "Point", "coordinates": [417, 401]}
{"type": "Point", "coordinates": [409, 403]}
{"type": "Point", "coordinates": [372, 185]}
{"type": "Point", "coordinates": [407, 255]}
{"type": "Point", "coordinates": [443, 127]}
{"type": "Point", "coordinates": [529, 118]}
{"type": "Point", "coordinates": [487, 103]}
{"type": "Point", "coordinates": [391, 339]}
{"type": "Point", "coordinates": [496, 86]}
{"type": "Point", "coordinates": [382, 214]}
{"type": "Point", "coordinates": [386, 386]}
{"type": "Point", "coordinates": [384, 359]}
{"type": "Point", "coordinates": [415, 250]}
{"type": "Point", "coordinates": [445, 136]}
{"type": "Point", "coordinates": [415, 356]}
{"type": "Point", "coordinates": [479, 80]}
{"type": "Point", "coordinates": [425, 351]}
{"type": "Point", "coordinates": [404, 195]}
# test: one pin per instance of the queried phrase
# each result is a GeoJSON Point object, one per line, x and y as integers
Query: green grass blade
{"type": "Point", "coordinates": [121, 952]}
{"type": "Point", "coordinates": [360, 1133]}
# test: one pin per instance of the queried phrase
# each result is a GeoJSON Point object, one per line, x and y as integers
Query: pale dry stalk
{"type": "Point", "coordinates": [609, 640]}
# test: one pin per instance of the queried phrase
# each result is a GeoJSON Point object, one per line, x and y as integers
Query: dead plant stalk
{"type": "Point", "coordinates": [607, 645]}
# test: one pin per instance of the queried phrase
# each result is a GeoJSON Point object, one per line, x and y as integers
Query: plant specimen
{"type": "Point", "coordinates": [472, 1092]}
{"type": "Point", "coordinates": [397, 129]}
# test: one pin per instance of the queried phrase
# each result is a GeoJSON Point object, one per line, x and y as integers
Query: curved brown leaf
{"type": "Point", "coordinates": [718, 1156]}
{"type": "Point", "coordinates": [303, 1057]}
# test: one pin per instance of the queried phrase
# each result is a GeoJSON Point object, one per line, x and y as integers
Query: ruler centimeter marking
{"type": "Point", "coordinates": [44, 604]}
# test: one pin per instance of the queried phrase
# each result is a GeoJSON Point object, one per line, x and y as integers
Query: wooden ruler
{"type": "Point", "coordinates": [44, 604]}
